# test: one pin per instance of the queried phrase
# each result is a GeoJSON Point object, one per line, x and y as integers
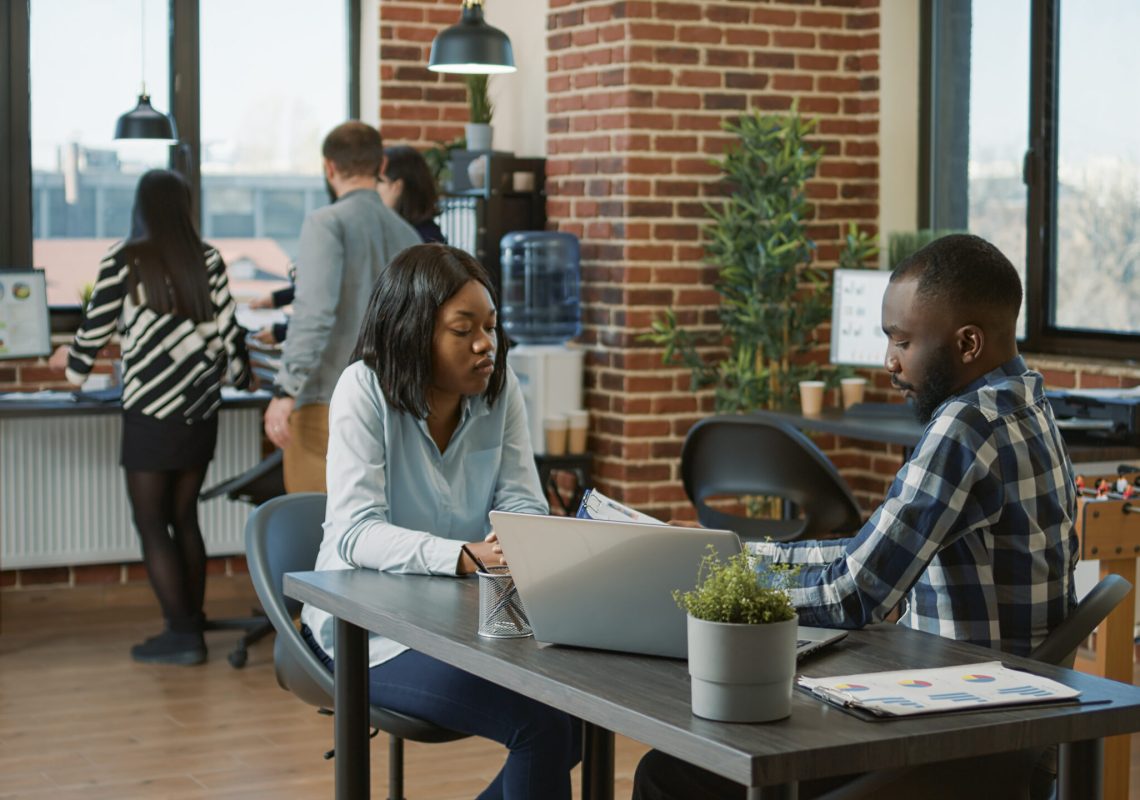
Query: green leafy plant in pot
{"type": "Point", "coordinates": [742, 639]}
{"type": "Point", "coordinates": [478, 130]}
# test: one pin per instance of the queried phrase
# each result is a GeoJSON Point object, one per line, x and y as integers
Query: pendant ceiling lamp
{"type": "Point", "coordinates": [472, 47]}
{"type": "Point", "coordinates": [144, 121]}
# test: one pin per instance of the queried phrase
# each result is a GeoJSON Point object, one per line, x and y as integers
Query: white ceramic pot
{"type": "Point", "coordinates": [478, 136]}
{"type": "Point", "coordinates": [742, 673]}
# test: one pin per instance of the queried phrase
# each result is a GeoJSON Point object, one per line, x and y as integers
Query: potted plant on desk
{"type": "Point", "coordinates": [478, 131]}
{"type": "Point", "coordinates": [742, 639]}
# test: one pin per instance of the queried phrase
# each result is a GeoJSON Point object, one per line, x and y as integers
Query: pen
{"type": "Point", "coordinates": [471, 554]}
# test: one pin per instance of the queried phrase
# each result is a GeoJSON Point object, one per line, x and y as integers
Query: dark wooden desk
{"type": "Point", "coordinates": [647, 698]}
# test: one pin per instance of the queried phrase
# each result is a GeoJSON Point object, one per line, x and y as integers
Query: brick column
{"type": "Point", "coordinates": [638, 92]}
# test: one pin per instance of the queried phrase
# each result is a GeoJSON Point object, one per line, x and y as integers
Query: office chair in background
{"type": "Point", "coordinates": [256, 485]}
{"type": "Point", "coordinates": [742, 455]}
{"type": "Point", "coordinates": [1034, 771]}
{"type": "Point", "coordinates": [284, 535]}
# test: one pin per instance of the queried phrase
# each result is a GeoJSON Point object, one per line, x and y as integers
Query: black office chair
{"type": "Point", "coordinates": [284, 535]}
{"type": "Point", "coordinates": [742, 455]}
{"type": "Point", "coordinates": [1033, 771]}
{"type": "Point", "coordinates": [256, 485]}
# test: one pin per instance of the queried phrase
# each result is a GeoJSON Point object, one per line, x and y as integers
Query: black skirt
{"type": "Point", "coordinates": [157, 445]}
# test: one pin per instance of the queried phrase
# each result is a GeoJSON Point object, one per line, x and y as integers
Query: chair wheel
{"type": "Point", "coordinates": [238, 658]}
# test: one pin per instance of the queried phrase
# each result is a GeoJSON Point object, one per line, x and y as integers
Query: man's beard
{"type": "Point", "coordinates": [937, 384]}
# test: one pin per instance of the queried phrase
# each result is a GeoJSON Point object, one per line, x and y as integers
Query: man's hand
{"type": "Point", "coordinates": [58, 359]}
{"type": "Point", "coordinates": [277, 420]}
{"type": "Point", "coordinates": [265, 301]}
{"type": "Point", "coordinates": [265, 335]}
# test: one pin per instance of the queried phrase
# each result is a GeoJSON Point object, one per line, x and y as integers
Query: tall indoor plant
{"type": "Point", "coordinates": [742, 639]}
{"type": "Point", "coordinates": [772, 299]}
{"type": "Point", "coordinates": [478, 129]}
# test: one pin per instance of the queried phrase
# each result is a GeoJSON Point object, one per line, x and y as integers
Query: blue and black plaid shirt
{"type": "Point", "coordinates": [976, 531]}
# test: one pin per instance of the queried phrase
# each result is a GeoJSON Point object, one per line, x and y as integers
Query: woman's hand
{"type": "Point", "coordinates": [265, 301]}
{"type": "Point", "coordinates": [488, 551]}
{"type": "Point", "coordinates": [265, 335]}
{"type": "Point", "coordinates": [58, 359]}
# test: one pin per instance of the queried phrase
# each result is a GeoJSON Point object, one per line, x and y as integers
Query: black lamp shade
{"type": "Point", "coordinates": [472, 47]}
{"type": "Point", "coordinates": [145, 122]}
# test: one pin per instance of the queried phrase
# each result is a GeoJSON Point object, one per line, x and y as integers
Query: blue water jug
{"type": "Point", "coordinates": [540, 287]}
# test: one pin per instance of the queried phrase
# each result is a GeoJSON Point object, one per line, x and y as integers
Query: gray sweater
{"type": "Point", "coordinates": [343, 248]}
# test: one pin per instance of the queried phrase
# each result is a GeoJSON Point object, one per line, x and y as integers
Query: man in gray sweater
{"type": "Point", "coordinates": [343, 248]}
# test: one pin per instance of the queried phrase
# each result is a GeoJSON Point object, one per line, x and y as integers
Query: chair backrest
{"type": "Point", "coordinates": [738, 455]}
{"type": "Point", "coordinates": [284, 535]}
{"type": "Point", "coordinates": [1060, 646]}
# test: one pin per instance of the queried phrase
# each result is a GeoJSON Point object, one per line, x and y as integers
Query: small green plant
{"type": "Point", "coordinates": [85, 295]}
{"type": "Point", "coordinates": [903, 244]}
{"type": "Point", "coordinates": [740, 590]}
{"type": "Point", "coordinates": [478, 100]}
{"type": "Point", "coordinates": [438, 158]}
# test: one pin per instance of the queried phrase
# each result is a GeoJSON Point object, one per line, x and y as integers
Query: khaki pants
{"type": "Point", "coordinates": [308, 447]}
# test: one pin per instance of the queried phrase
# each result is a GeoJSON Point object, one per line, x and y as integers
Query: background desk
{"type": "Point", "coordinates": [62, 496]}
{"type": "Point", "coordinates": [647, 698]}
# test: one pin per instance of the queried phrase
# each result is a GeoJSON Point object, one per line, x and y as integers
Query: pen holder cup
{"type": "Point", "coordinates": [501, 614]}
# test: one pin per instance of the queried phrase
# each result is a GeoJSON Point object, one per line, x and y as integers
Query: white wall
{"type": "Point", "coordinates": [898, 120]}
{"type": "Point", "coordinates": [520, 98]}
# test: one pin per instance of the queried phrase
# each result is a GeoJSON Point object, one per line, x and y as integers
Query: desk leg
{"type": "Point", "coordinates": [1114, 660]}
{"type": "Point", "coordinates": [597, 762]}
{"type": "Point", "coordinates": [1080, 769]}
{"type": "Point", "coordinates": [350, 671]}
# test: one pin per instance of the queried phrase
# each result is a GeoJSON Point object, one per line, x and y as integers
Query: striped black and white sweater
{"type": "Point", "coordinates": [173, 367]}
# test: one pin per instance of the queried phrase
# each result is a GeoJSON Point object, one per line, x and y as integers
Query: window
{"type": "Point", "coordinates": [251, 117]}
{"type": "Point", "coordinates": [1028, 134]}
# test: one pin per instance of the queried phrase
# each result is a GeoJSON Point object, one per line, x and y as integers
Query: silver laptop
{"type": "Point", "coordinates": [609, 585]}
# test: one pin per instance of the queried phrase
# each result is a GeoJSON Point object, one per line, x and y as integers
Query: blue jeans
{"type": "Point", "coordinates": [544, 743]}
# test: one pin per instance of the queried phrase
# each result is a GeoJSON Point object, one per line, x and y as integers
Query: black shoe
{"type": "Point", "coordinates": [171, 647]}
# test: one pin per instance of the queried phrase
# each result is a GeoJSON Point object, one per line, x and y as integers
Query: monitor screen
{"type": "Point", "coordinates": [24, 328]}
{"type": "Point", "coordinates": [857, 337]}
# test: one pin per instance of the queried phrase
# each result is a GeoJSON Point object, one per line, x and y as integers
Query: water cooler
{"type": "Point", "coordinates": [540, 308]}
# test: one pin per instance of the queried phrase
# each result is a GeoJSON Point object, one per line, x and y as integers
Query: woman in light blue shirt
{"type": "Point", "coordinates": [427, 434]}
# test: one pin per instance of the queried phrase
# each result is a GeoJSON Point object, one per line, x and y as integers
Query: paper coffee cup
{"type": "Point", "coordinates": [554, 426]}
{"type": "Point", "coordinates": [522, 181]}
{"type": "Point", "coordinates": [579, 425]}
{"type": "Point", "coordinates": [853, 389]}
{"type": "Point", "coordinates": [811, 397]}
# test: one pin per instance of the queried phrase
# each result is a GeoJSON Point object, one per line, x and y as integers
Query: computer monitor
{"type": "Point", "coordinates": [24, 328]}
{"type": "Point", "coordinates": [857, 337]}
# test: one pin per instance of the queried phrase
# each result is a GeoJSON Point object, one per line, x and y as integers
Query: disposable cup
{"type": "Point", "coordinates": [811, 398]}
{"type": "Point", "coordinates": [555, 427]}
{"type": "Point", "coordinates": [579, 425]}
{"type": "Point", "coordinates": [853, 389]}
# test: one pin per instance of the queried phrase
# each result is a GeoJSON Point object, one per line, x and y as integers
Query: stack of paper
{"type": "Point", "coordinates": [926, 691]}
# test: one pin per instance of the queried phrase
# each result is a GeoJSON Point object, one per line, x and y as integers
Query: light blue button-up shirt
{"type": "Point", "coordinates": [395, 503]}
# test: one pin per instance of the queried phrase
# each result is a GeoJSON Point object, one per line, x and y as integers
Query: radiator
{"type": "Point", "coordinates": [63, 496]}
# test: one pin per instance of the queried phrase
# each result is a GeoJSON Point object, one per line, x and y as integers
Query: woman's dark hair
{"type": "Point", "coordinates": [164, 251]}
{"type": "Point", "coordinates": [396, 338]}
{"type": "Point", "coordinates": [419, 201]}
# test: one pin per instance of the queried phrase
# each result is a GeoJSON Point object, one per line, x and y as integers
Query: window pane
{"type": "Point", "coordinates": [1098, 180]}
{"type": "Point", "coordinates": [83, 180]}
{"type": "Point", "coordinates": [265, 111]}
{"type": "Point", "coordinates": [999, 127]}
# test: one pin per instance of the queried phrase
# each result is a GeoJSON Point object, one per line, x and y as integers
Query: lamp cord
{"type": "Point", "coordinates": [142, 39]}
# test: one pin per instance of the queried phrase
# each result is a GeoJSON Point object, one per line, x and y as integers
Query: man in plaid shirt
{"type": "Point", "coordinates": [976, 534]}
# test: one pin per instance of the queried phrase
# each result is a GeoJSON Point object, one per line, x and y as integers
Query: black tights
{"type": "Point", "coordinates": [164, 503]}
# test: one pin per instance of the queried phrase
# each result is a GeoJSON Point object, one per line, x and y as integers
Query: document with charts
{"type": "Point", "coordinates": [596, 505]}
{"type": "Point", "coordinates": [925, 691]}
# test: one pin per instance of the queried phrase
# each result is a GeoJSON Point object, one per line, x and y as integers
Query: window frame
{"type": "Point", "coordinates": [937, 123]}
{"type": "Point", "coordinates": [185, 91]}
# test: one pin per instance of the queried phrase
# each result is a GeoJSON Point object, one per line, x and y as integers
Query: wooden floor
{"type": "Point", "coordinates": [79, 719]}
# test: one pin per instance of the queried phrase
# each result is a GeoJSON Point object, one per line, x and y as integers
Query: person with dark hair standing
{"type": "Point", "coordinates": [167, 292]}
{"type": "Point", "coordinates": [408, 188]}
{"type": "Point", "coordinates": [343, 249]}
{"type": "Point", "coordinates": [975, 538]}
{"type": "Point", "coordinates": [427, 435]}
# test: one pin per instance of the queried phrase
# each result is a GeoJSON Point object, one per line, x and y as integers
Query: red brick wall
{"type": "Point", "coordinates": [637, 94]}
{"type": "Point", "coordinates": [417, 106]}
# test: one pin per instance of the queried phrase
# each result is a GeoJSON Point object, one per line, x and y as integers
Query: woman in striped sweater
{"type": "Point", "coordinates": [166, 292]}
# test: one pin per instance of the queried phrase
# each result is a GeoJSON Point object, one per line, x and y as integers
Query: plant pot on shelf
{"type": "Point", "coordinates": [742, 672]}
{"type": "Point", "coordinates": [478, 135]}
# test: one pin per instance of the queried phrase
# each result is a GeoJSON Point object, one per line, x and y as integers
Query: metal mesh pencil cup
{"type": "Point", "coordinates": [501, 614]}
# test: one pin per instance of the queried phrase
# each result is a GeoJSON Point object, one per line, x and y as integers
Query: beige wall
{"type": "Point", "coordinates": [520, 98]}
{"type": "Point", "coordinates": [898, 132]}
